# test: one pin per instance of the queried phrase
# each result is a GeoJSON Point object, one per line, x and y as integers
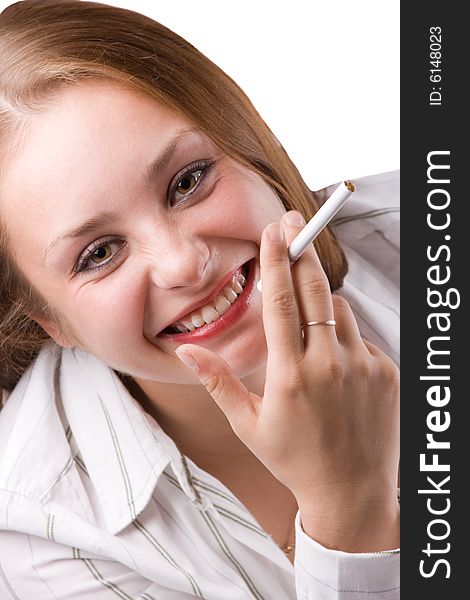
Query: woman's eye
{"type": "Point", "coordinates": [99, 255]}
{"type": "Point", "coordinates": [190, 181]}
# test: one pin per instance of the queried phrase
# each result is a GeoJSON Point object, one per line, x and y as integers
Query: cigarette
{"type": "Point", "coordinates": [318, 222]}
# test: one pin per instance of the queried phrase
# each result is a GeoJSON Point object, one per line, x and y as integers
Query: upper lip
{"type": "Point", "coordinates": [193, 307]}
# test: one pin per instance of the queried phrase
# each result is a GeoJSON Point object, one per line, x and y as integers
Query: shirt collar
{"type": "Point", "coordinates": [124, 450]}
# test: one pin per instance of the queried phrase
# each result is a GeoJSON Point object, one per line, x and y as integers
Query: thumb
{"type": "Point", "coordinates": [237, 403]}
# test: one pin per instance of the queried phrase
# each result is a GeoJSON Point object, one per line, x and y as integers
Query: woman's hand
{"type": "Point", "coordinates": [327, 425]}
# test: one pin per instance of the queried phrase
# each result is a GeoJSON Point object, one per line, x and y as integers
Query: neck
{"type": "Point", "coordinates": [199, 428]}
{"type": "Point", "coordinates": [190, 416]}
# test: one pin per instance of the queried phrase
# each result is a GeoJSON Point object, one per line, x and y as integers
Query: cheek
{"type": "Point", "coordinates": [242, 206]}
{"type": "Point", "coordinates": [107, 308]}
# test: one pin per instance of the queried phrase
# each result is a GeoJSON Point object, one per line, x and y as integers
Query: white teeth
{"type": "Point", "coordinates": [209, 314]}
{"type": "Point", "coordinates": [188, 324]}
{"type": "Point", "coordinates": [197, 320]}
{"type": "Point", "coordinates": [236, 285]}
{"type": "Point", "coordinates": [221, 304]}
{"type": "Point", "coordinates": [230, 294]}
{"type": "Point", "coordinates": [181, 328]}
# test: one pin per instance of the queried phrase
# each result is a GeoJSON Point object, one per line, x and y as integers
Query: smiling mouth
{"type": "Point", "coordinates": [215, 309]}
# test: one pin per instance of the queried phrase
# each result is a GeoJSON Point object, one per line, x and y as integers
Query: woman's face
{"type": "Point", "coordinates": [129, 221]}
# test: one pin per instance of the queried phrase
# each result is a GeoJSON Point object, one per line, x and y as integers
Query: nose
{"type": "Point", "coordinates": [179, 261]}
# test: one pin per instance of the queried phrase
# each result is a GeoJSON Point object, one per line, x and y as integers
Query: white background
{"type": "Point", "coordinates": [324, 74]}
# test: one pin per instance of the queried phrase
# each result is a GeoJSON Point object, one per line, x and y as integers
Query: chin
{"type": "Point", "coordinates": [246, 358]}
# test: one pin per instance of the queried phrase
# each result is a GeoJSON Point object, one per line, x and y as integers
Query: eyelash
{"type": "Point", "coordinates": [203, 166]}
{"type": "Point", "coordinates": [81, 266]}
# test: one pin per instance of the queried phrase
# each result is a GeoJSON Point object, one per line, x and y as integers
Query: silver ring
{"type": "Point", "coordinates": [330, 322]}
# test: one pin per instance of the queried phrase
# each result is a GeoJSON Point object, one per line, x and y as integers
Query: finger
{"type": "Point", "coordinates": [389, 370]}
{"type": "Point", "coordinates": [280, 312]}
{"type": "Point", "coordinates": [311, 284]}
{"type": "Point", "coordinates": [237, 403]}
{"type": "Point", "coordinates": [347, 329]}
{"type": "Point", "coordinates": [375, 350]}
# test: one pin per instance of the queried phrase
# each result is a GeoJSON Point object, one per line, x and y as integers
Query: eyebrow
{"type": "Point", "coordinates": [106, 217]}
{"type": "Point", "coordinates": [163, 159]}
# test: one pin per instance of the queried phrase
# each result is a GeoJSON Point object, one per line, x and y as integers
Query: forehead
{"type": "Point", "coordinates": [84, 122]}
{"type": "Point", "coordinates": [77, 145]}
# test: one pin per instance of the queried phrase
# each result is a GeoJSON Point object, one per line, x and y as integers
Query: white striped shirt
{"type": "Point", "coordinates": [97, 502]}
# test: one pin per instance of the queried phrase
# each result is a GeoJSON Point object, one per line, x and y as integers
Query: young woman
{"type": "Point", "coordinates": [171, 432]}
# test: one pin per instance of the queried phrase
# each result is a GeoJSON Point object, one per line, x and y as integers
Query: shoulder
{"type": "Point", "coordinates": [32, 438]}
{"type": "Point", "coordinates": [72, 436]}
{"type": "Point", "coordinates": [369, 225]}
{"type": "Point", "coordinates": [368, 229]}
{"type": "Point", "coordinates": [29, 404]}
{"type": "Point", "coordinates": [373, 191]}
{"type": "Point", "coordinates": [370, 218]}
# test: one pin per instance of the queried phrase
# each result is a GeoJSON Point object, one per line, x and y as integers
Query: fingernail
{"type": "Point", "coordinates": [186, 358]}
{"type": "Point", "coordinates": [275, 232]}
{"type": "Point", "coordinates": [295, 219]}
